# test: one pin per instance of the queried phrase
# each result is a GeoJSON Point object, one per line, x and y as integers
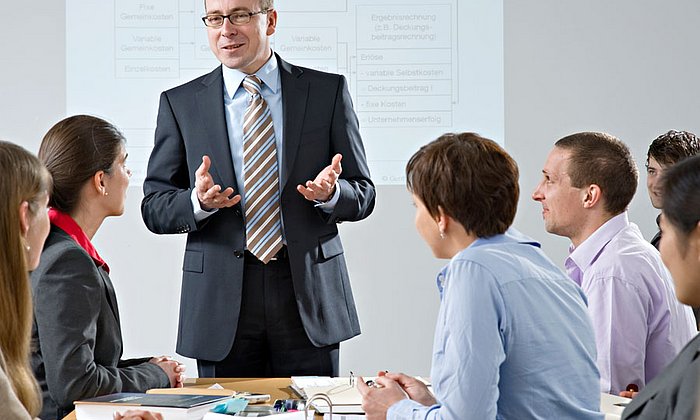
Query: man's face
{"type": "Point", "coordinates": [242, 47]}
{"type": "Point", "coordinates": [562, 206]}
{"type": "Point", "coordinates": [654, 171]}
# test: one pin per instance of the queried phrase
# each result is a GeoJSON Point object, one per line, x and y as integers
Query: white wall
{"type": "Point", "coordinates": [626, 67]}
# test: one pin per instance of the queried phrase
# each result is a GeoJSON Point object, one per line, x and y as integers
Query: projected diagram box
{"type": "Point", "coordinates": [407, 65]}
{"type": "Point", "coordinates": [146, 39]}
{"type": "Point", "coordinates": [404, 66]}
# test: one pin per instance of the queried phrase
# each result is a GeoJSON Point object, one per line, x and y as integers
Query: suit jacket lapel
{"type": "Point", "coordinates": [111, 296]}
{"type": "Point", "coordinates": [209, 106]}
{"type": "Point", "coordinates": [295, 90]}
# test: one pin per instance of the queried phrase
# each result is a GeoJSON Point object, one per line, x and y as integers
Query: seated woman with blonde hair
{"type": "Point", "coordinates": [77, 340]}
{"type": "Point", "coordinates": [24, 187]}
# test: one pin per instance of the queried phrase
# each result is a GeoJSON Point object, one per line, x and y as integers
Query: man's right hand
{"type": "Point", "coordinates": [172, 368]}
{"type": "Point", "coordinates": [416, 390]}
{"type": "Point", "coordinates": [209, 194]}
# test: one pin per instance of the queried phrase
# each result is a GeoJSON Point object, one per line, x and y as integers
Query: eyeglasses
{"type": "Point", "coordinates": [236, 18]}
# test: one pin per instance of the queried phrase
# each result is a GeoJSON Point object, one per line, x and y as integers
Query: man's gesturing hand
{"type": "Point", "coordinates": [323, 187]}
{"type": "Point", "coordinates": [209, 194]}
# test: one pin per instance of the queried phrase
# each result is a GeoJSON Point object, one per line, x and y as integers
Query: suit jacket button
{"type": "Point", "coordinates": [238, 212]}
{"type": "Point", "coordinates": [238, 253]}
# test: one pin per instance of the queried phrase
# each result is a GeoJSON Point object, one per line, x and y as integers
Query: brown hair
{"type": "Point", "coordinates": [264, 5]}
{"type": "Point", "coordinates": [673, 146]}
{"type": "Point", "coordinates": [24, 178]}
{"type": "Point", "coordinates": [74, 150]}
{"type": "Point", "coordinates": [603, 160]}
{"type": "Point", "coordinates": [471, 178]}
{"type": "Point", "coordinates": [681, 206]}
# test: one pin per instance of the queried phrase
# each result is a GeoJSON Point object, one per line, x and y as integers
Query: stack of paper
{"type": "Point", "coordinates": [300, 383]}
{"type": "Point", "coordinates": [344, 397]}
{"type": "Point", "coordinates": [612, 405]}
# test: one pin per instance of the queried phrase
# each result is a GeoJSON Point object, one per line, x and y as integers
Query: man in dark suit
{"type": "Point", "coordinates": [246, 309]}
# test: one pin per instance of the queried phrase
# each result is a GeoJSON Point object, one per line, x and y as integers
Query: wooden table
{"type": "Point", "coordinates": [278, 388]}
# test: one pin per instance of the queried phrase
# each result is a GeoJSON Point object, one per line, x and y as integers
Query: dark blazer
{"type": "Point", "coordinates": [319, 121]}
{"type": "Point", "coordinates": [76, 338]}
{"type": "Point", "coordinates": [673, 393]}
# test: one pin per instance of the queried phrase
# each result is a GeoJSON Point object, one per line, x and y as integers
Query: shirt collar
{"type": "Point", "coordinates": [268, 73]}
{"type": "Point", "coordinates": [66, 223]}
{"type": "Point", "coordinates": [588, 251]}
{"type": "Point", "coordinates": [511, 235]}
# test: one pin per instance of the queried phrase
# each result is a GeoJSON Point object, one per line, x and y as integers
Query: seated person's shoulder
{"type": "Point", "coordinates": [61, 249]}
{"type": "Point", "coordinates": [642, 268]}
{"type": "Point", "coordinates": [511, 261]}
{"type": "Point", "coordinates": [64, 261]}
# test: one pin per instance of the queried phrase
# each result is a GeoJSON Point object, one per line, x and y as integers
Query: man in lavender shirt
{"type": "Point", "coordinates": [588, 181]}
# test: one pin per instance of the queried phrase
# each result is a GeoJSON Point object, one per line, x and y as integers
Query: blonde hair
{"type": "Point", "coordinates": [24, 179]}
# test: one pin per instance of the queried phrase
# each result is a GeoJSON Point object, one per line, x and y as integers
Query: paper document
{"type": "Point", "coordinates": [612, 405]}
{"type": "Point", "coordinates": [344, 396]}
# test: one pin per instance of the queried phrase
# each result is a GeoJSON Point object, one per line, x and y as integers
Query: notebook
{"type": "Point", "coordinates": [171, 406]}
{"type": "Point", "coordinates": [344, 397]}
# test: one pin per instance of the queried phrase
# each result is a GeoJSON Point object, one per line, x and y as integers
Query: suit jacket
{"type": "Point", "coordinates": [76, 338]}
{"type": "Point", "coordinates": [319, 122]}
{"type": "Point", "coordinates": [673, 393]}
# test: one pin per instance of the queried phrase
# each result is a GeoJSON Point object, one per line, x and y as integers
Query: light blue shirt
{"type": "Point", "coordinates": [512, 341]}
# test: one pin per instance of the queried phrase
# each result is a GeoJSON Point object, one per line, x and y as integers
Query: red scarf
{"type": "Point", "coordinates": [66, 223]}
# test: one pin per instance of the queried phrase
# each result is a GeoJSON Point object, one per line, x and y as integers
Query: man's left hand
{"type": "Point", "coordinates": [323, 187]}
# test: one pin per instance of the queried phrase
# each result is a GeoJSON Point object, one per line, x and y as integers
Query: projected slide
{"type": "Point", "coordinates": [415, 69]}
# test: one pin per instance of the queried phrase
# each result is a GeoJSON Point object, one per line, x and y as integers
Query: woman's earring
{"type": "Point", "coordinates": [442, 234]}
{"type": "Point", "coordinates": [26, 245]}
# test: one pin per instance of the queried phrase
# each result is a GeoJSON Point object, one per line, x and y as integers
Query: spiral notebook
{"type": "Point", "coordinates": [344, 396]}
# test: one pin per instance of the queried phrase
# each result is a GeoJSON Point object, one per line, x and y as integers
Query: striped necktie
{"type": "Point", "coordinates": [260, 179]}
